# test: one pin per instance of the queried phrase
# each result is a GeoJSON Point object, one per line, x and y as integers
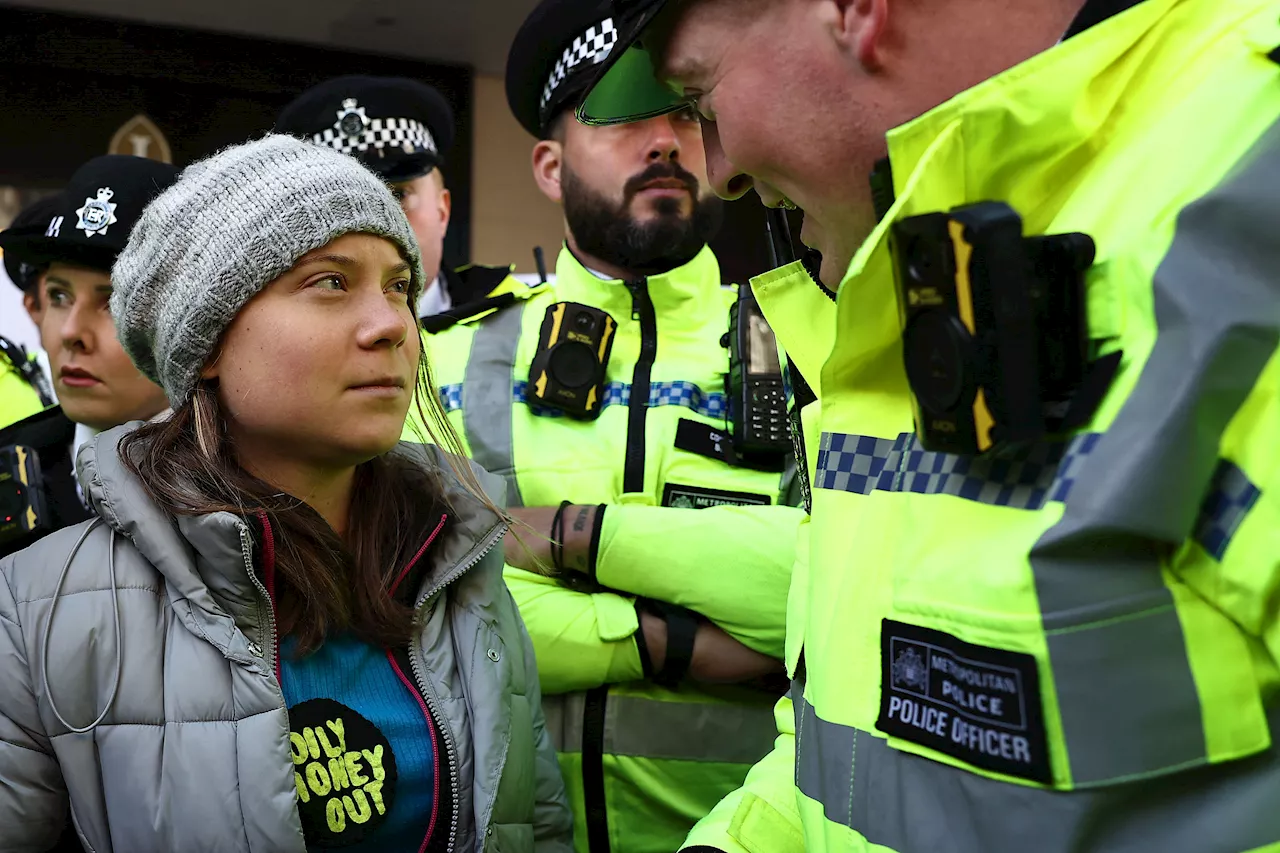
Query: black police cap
{"type": "Point", "coordinates": [36, 214]}
{"type": "Point", "coordinates": [399, 128]}
{"type": "Point", "coordinates": [550, 62]}
{"type": "Point", "coordinates": [91, 220]}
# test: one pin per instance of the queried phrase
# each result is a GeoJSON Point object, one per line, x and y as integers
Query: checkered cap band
{"type": "Point", "coordinates": [593, 46]}
{"type": "Point", "coordinates": [1027, 479]}
{"type": "Point", "coordinates": [678, 393]}
{"type": "Point", "coordinates": [1231, 496]}
{"type": "Point", "coordinates": [379, 133]}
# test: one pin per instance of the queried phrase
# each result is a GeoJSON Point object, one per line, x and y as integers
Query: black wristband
{"type": "Point", "coordinates": [682, 630]}
{"type": "Point", "coordinates": [642, 644]}
{"type": "Point", "coordinates": [596, 525]}
{"type": "Point", "coordinates": [557, 537]}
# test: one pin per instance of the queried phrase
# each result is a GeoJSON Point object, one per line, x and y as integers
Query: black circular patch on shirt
{"type": "Point", "coordinates": [344, 771]}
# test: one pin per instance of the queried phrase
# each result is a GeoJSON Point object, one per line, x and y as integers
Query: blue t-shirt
{"type": "Point", "coordinates": [363, 748]}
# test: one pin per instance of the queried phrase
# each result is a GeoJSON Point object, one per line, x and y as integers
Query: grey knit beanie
{"type": "Point", "coordinates": [229, 226]}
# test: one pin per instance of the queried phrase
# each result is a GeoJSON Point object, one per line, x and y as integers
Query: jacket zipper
{"type": "Point", "coordinates": [638, 406]}
{"type": "Point", "coordinates": [269, 650]}
{"type": "Point", "coordinates": [424, 686]}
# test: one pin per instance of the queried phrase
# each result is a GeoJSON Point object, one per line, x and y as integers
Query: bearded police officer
{"type": "Point", "coordinates": [601, 398]}
{"type": "Point", "coordinates": [1040, 607]}
{"type": "Point", "coordinates": [24, 385]}
{"type": "Point", "coordinates": [401, 129]}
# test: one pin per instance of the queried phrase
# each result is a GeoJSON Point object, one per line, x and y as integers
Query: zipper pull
{"type": "Point", "coordinates": [633, 287]}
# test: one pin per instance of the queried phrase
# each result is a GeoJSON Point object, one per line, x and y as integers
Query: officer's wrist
{"type": "Point", "coordinates": [582, 537]}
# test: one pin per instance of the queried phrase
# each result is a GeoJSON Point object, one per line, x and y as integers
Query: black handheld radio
{"type": "Point", "coordinates": [754, 385]}
{"type": "Point", "coordinates": [994, 333]}
{"type": "Point", "coordinates": [757, 400]}
{"type": "Point", "coordinates": [570, 369]}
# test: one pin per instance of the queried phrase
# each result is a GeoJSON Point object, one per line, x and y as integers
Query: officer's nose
{"type": "Point", "coordinates": [664, 143]}
{"type": "Point", "coordinates": [728, 182]}
{"type": "Point", "coordinates": [78, 332]}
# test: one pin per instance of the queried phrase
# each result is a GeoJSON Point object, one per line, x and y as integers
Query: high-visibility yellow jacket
{"type": "Point", "coordinates": [641, 763]}
{"type": "Point", "coordinates": [1076, 648]}
{"type": "Point", "coordinates": [18, 397]}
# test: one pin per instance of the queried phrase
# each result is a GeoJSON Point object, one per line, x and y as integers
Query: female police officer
{"type": "Point", "coordinates": [77, 240]}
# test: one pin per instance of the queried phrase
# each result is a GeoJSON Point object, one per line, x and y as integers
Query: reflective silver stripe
{"type": "Point", "coordinates": [486, 396]}
{"type": "Point", "coordinates": [686, 731]}
{"type": "Point", "coordinates": [911, 804]}
{"type": "Point", "coordinates": [1117, 652]}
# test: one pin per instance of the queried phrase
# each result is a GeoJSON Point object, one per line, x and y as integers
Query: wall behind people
{"type": "Point", "coordinates": [74, 81]}
{"type": "Point", "coordinates": [510, 215]}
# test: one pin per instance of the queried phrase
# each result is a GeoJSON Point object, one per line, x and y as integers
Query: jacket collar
{"type": "Point", "coordinates": [1096, 11]}
{"type": "Point", "coordinates": [1024, 137]}
{"type": "Point", "coordinates": [680, 296]}
{"type": "Point", "coordinates": [206, 560]}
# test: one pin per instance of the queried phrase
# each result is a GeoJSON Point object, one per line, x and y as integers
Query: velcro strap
{"type": "Point", "coordinates": [682, 628]}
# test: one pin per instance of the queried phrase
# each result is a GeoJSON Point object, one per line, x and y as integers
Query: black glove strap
{"type": "Point", "coordinates": [682, 629]}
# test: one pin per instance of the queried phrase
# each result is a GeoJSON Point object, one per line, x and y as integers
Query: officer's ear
{"type": "Point", "coordinates": [548, 156]}
{"type": "Point", "coordinates": [444, 198]}
{"type": "Point", "coordinates": [859, 27]}
{"type": "Point", "coordinates": [31, 301]}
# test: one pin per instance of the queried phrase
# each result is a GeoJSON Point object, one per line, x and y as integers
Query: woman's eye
{"type": "Point", "coordinates": [399, 193]}
{"type": "Point", "coordinates": [399, 286]}
{"type": "Point", "coordinates": [329, 282]}
{"type": "Point", "coordinates": [59, 298]}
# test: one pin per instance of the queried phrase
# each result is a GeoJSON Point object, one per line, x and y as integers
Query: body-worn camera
{"type": "Point", "coordinates": [569, 371]}
{"type": "Point", "coordinates": [22, 502]}
{"type": "Point", "coordinates": [757, 399]}
{"type": "Point", "coordinates": [37, 479]}
{"type": "Point", "coordinates": [994, 329]}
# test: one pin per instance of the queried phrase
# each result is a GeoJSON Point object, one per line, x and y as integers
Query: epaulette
{"type": "Point", "coordinates": [504, 291]}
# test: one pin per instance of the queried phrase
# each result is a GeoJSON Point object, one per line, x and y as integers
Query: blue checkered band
{"type": "Point", "coordinates": [1231, 496]}
{"type": "Point", "coordinates": [1026, 479]}
{"type": "Point", "coordinates": [679, 393]}
{"type": "Point", "coordinates": [451, 397]}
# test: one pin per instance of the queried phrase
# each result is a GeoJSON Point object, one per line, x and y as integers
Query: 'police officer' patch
{"type": "Point", "coordinates": [975, 703]}
{"type": "Point", "coordinates": [344, 771]}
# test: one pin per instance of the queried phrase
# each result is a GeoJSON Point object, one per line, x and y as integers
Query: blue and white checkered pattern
{"type": "Point", "coordinates": [451, 397]}
{"type": "Point", "coordinates": [679, 393]}
{"type": "Point", "coordinates": [1231, 496]}
{"type": "Point", "coordinates": [1026, 479]}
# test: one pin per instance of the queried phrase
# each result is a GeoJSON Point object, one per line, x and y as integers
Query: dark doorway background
{"type": "Point", "coordinates": [67, 83]}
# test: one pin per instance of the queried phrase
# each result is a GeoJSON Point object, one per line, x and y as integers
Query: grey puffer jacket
{"type": "Point", "coordinates": [192, 752]}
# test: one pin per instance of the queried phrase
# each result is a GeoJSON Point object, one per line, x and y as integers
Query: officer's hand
{"type": "Point", "coordinates": [528, 543]}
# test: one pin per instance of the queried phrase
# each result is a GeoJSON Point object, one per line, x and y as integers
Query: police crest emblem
{"type": "Point", "coordinates": [909, 670]}
{"type": "Point", "coordinates": [351, 118]}
{"type": "Point", "coordinates": [97, 214]}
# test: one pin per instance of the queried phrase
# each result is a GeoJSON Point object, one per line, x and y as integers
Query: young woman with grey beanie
{"type": "Point", "coordinates": [284, 630]}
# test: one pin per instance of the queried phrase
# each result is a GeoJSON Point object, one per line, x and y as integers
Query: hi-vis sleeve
{"type": "Point", "coordinates": [582, 640]}
{"type": "Point", "coordinates": [732, 564]}
{"type": "Point", "coordinates": [762, 815]}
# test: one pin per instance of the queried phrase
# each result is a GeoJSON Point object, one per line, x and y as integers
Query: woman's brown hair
{"type": "Point", "coordinates": [187, 463]}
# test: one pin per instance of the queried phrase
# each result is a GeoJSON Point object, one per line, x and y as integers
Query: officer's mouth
{"type": "Point", "coordinates": [77, 377]}
{"type": "Point", "coordinates": [665, 188]}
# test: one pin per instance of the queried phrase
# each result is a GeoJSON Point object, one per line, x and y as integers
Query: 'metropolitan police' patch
{"type": "Point", "coordinates": [975, 703]}
{"type": "Point", "coordinates": [344, 771]}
